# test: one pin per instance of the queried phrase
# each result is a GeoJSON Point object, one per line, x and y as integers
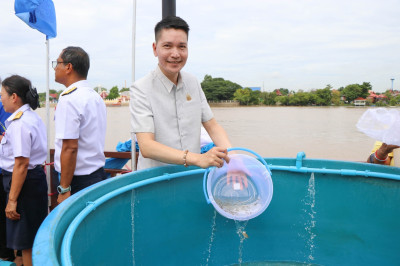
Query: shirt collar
{"type": "Point", "coordinates": [79, 84]}
{"type": "Point", "coordinates": [169, 85]}
{"type": "Point", "coordinates": [23, 108]}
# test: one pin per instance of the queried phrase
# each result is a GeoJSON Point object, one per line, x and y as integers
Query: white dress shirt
{"type": "Point", "coordinates": [173, 113]}
{"type": "Point", "coordinates": [81, 114]}
{"type": "Point", "coordinates": [25, 137]}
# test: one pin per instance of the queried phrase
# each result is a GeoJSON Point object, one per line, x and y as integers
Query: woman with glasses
{"type": "Point", "coordinates": [22, 153]}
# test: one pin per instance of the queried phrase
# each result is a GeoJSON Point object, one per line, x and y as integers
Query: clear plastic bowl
{"type": "Point", "coordinates": [235, 201]}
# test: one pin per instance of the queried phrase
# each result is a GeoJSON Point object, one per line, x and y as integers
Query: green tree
{"type": "Point", "coordinates": [268, 98]}
{"type": "Point", "coordinates": [124, 89]}
{"type": "Point", "coordinates": [302, 98]}
{"type": "Point", "coordinates": [352, 91]}
{"type": "Point", "coordinates": [113, 93]}
{"type": "Point", "coordinates": [365, 88]}
{"type": "Point", "coordinates": [246, 96]}
{"type": "Point", "coordinates": [42, 96]}
{"type": "Point", "coordinates": [281, 100]}
{"type": "Point", "coordinates": [324, 96]}
{"type": "Point", "coordinates": [218, 89]}
{"type": "Point", "coordinates": [336, 97]}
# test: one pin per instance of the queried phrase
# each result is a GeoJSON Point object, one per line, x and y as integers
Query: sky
{"type": "Point", "coordinates": [293, 44]}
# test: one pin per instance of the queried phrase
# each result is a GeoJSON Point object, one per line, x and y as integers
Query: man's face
{"type": "Point", "coordinates": [172, 52]}
{"type": "Point", "coordinates": [59, 70]}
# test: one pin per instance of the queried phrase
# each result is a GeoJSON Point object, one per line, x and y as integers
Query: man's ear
{"type": "Point", "coordinates": [155, 49]}
{"type": "Point", "coordinates": [68, 68]}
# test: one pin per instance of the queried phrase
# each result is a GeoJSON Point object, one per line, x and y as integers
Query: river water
{"type": "Point", "coordinates": [321, 132]}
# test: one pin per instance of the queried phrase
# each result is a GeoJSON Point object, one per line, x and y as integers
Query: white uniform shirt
{"type": "Point", "coordinates": [25, 137]}
{"type": "Point", "coordinates": [81, 114]}
{"type": "Point", "coordinates": [205, 139]}
{"type": "Point", "coordinates": [173, 113]}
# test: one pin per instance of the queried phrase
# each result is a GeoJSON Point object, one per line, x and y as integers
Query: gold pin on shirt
{"type": "Point", "coordinates": [188, 98]}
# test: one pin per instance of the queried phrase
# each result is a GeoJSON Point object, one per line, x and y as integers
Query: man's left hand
{"type": "Point", "coordinates": [62, 197]}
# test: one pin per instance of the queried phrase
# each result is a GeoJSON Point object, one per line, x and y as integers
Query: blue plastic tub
{"type": "Point", "coordinates": [322, 212]}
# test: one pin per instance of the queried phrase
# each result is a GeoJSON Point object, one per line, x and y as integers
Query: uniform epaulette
{"type": "Point", "coordinates": [69, 91]}
{"type": "Point", "coordinates": [18, 115]}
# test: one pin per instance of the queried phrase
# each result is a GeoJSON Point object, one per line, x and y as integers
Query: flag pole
{"type": "Point", "coordinates": [48, 174]}
{"type": "Point", "coordinates": [133, 145]}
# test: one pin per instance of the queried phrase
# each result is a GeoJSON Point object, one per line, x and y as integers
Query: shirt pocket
{"type": "Point", "coordinates": [5, 147]}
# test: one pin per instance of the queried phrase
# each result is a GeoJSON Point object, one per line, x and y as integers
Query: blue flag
{"type": "Point", "coordinates": [38, 14]}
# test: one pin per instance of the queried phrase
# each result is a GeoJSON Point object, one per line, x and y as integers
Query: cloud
{"type": "Point", "coordinates": [300, 44]}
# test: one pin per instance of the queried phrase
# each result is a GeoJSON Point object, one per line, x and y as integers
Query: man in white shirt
{"type": "Point", "coordinates": [168, 107]}
{"type": "Point", "coordinates": [80, 121]}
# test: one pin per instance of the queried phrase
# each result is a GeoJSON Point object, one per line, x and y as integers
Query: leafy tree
{"type": "Point", "coordinates": [218, 89]}
{"type": "Point", "coordinates": [124, 89]}
{"type": "Point", "coordinates": [282, 100]}
{"type": "Point", "coordinates": [113, 93]}
{"type": "Point", "coordinates": [268, 98]}
{"type": "Point", "coordinates": [336, 97]}
{"type": "Point", "coordinates": [302, 98]}
{"type": "Point", "coordinates": [324, 96]}
{"type": "Point", "coordinates": [246, 96]}
{"type": "Point", "coordinates": [365, 88]}
{"type": "Point", "coordinates": [42, 96]}
{"type": "Point", "coordinates": [352, 92]}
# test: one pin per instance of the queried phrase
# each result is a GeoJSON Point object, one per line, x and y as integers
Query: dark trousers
{"type": "Point", "coordinates": [80, 182]}
{"type": "Point", "coordinates": [5, 252]}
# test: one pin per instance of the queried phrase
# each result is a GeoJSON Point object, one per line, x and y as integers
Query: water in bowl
{"type": "Point", "coordinates": [240, 202]}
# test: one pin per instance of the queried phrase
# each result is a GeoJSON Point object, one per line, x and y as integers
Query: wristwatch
{"type": "Point", "coordinates": [62, 190]}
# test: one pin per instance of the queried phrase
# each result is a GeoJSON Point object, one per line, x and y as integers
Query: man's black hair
{"type": "Point", "coordinates": [78, 58]}
{"type": "Point", "coordinates": [171, 22]}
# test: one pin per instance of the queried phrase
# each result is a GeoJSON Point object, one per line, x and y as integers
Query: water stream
{"type": "Point", "coordinates": [311, 221]}
{"type": "Point", "coordinates": [210, 243]}
{"type": "Point", "coordinates": [241, 232]}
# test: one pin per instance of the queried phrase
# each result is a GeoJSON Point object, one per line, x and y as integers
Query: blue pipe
{"type": "Point", "coordinates": [299, 159]}
{"type": "Point", "coordinates": [343, 172]}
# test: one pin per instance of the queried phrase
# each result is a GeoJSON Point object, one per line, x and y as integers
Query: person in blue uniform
{"type": "Point", "coordinates": [23, 151]}
{"type": "Point", "coordinates": [5, 252]}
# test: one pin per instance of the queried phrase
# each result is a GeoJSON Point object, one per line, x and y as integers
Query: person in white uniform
{"type": "Point", "coordinates": [23, 151]}
{"type": "Point", "coordinates": [168, 107]}
{"type": "Point", "coordinates": [80, 125]}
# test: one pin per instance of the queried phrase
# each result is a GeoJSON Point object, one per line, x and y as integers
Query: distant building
{"type": "Point", "coordinates": [360, 101]}
{"type": "Point", "coordinates": [53, 97]}
{"type": "Point", "coordinates": [375, 97]}
{"type": "Point", "coordinates": [103, 94]}
{"type": "Point", "coordinates": [125, 96]}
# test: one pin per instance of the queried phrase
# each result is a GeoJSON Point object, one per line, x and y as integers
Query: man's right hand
{"type": "Point", "coordinates": [214, 157]}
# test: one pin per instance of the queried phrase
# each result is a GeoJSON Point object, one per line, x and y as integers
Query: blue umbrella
{"type": "Point", "coordinates": [38, 14]}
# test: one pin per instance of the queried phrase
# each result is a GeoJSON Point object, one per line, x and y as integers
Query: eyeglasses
{"type": "Point", "coordinates": [55, 63]}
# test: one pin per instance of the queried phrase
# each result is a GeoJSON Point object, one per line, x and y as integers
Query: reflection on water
{"type": "Point", "coordinates": [321, 132]}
